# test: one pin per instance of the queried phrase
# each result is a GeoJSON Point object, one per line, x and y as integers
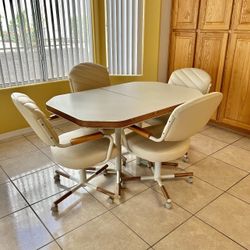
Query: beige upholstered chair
{"type": "Point", "coordinates": [85, 76]}
{"type": "Point", "coordinates": [190, 78]}
{"type": "Point", "coordinates": [167, 143]}
{"type": "Point", "coordinates": [78, 149]}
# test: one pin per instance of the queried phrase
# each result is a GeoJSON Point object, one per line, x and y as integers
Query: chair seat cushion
{"type": "Point", "coordinates": [156, 151]}
{"type": "Point", "coordinates": [82, 155]}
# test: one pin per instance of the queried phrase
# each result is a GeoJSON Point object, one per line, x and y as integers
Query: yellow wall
{"type": "Point", "coordinates": [12, 120]}
{"type": "Point", "coordinates": [10, 117]}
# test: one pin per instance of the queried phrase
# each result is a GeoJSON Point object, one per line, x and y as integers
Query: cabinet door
{"type": "Point", "coordinates": [236, 86]}
{"type": "Point", "coordinates": [181, 50]}
{"type": "Point", "coordinates": [185, 14]}
{"type": "Point", "coordinates": [215, 14]}
{"type": "Point", "coordinates": [241, 15]}
{"type": "Point", "coordinates": [210, 55]}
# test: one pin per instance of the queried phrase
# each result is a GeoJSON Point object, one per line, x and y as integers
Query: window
{"type": "Point", "coordinates": [41, 40]}
{"type": "Point", "coordinates": [124, 36]}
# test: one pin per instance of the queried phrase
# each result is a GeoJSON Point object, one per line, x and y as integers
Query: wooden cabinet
{"type": "Point", "coordinates": [215, 36]}
{"type": "Point", "coordinates": [182, 50]}
{"type": "Point", "coordinates": [241, 15]}
{"type": "Point", "coordinates": [215, 15]}
{"type": "Point", "coordinates": [210, 55]}
{"type": "Point", "coordinates": [235, 108]}
{"type": "Point", "coordinates": [185, 14]}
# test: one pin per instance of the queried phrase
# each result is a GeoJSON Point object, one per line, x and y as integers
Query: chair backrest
{"type": "Point", "coordinates": [190, 117]}
{"type": "Point", "coordinates": [85, 76]}
{"type": "Point", "coordinates": [191, 78]}
{"type": "Point", "coordinates": [36, 118]}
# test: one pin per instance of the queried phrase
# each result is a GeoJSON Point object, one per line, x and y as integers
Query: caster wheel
{"type": "Point", "coordinates": [57, 178]}
{"type": "Point", "coordinates": [168, 204]}
{"type": "Point", "coordinates": [190, 179]}
{"type": "Point", "coordinates": [54, 208]}
{"type": "Point", "coordinates": [110, 200]}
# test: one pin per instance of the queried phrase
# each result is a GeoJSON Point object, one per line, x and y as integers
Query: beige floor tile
{"type": "Point", "coordinates": [10, 198]}
{"type": "Point", "coordinates": [243, 143]}
{"type": "Point", "coordinates": [221, 135]}
{"type": "Point", "coordinates": [109, 183]}
{"type": "Point", "coordinates": [104, 232]}
{"type": "Point", "coordinates": [74, 211]}
{"type": "Point", "coordinates": [3, 177]}
{"type": "Point", "coordinates": [146, 215]}
{"type": "Point", "coordinates": [15, 147]}
{"type": "Point", "coordinates": [230, 216]}
{"type": "Point", "coordinates": [51, 246]}
{"type": "Point", "coordinates": [194, 234]}
{"type": "Point", "coordinates": [41, 185]}
{"type": "Point", "coordinates": [242, 189]}
{"type": "Point", "coordinates": [217, 173]}
{"type": "Point", "coordinates": [192, 197]}
{"type": "Point", "coordinates": [22, 230]}
{"type": "Point", "coordinates": [205, 144]}
{"type": "Point", "coordinates": [25, 164]}
{"type": "Point", "coordinates": [235, 156]}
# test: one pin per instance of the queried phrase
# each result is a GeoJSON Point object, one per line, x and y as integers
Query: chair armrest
{"type": "Point", "coordinates": [85, 138]}
{"type": "Point", "coordinates": [140, 131]}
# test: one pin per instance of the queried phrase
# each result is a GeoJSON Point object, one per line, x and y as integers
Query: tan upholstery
{"type": "Point", "coordinates": [170, 142]}
{"type": "Point", "coordinates": [189, 118]}
{"type": "Point", "coordinates": [85, 76]}
{"type": "Point", "coordinates": [185, 121]}
{"type": "Point", "coordinates": [36, 118]}
{"type": "Point", "coordinates": [82, 155]}
{"type": "Point", "coordinates": [78, 149]}
{"type": "Point", "coordinates": [72, 156]}
{"type": "Point", "coordinates": [156, 151]}
{"type": "Point", "coordinates": [191, 78]}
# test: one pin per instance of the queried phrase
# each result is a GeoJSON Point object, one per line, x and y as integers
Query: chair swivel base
{"type": "Point", "coordinates": [80, 184]}
{"type": "Point", "coordinates": [158, 179]}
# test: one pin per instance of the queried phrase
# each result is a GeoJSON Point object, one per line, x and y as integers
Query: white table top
{"type": "Point", "coordinates": [120, 105]}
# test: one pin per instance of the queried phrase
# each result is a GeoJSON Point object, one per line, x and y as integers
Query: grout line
{"type": "Point", "coordinates": [173, 229]}
{"type": "Point", "coordinates": [219, 231]}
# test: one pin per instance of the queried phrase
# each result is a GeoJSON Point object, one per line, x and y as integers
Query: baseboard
{"type": "Point", "coordinates": [25, 131]}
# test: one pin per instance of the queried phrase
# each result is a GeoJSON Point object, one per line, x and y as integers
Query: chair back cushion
{"type": "Point", "coordinates": [191, 78]}
{"type": "Point", "coordinates": [190, 117]}
{"type": "Point", "coordinates": [85, 76]}
{"type": "Point", "coordinates": [36, 118]}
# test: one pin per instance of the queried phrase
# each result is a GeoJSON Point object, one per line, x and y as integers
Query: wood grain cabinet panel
{"type": "Point", "coordinates": [236, 87]}
{"type": "Point", "coordinates": [210, 55]}
{"type": "Point", "coordinates": [185, 14]}
{"type": "Point", "coordinates": [181, 50]}
{"type": "Point", "coordinates": [241, 15]}
{"type": "Point", "coordinates": [215, 15]}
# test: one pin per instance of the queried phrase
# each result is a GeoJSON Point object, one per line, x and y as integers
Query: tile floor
{"type": "Point", "coordinates": [211, 213]}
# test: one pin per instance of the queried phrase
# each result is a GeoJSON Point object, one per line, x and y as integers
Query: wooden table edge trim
{"type": "Point", "coordinates": [118, 124]}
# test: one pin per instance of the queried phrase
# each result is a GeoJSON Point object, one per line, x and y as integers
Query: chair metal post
{"type": "Point", "coordinates": [118, 159]}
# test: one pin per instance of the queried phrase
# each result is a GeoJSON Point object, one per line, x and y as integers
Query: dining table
{"type": "Point", "coordinates": [120, 106]}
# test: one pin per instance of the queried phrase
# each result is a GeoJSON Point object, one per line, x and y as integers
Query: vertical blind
{"type": "Point", "coordinates": [124, 36]}
{"type": "Point", "coordinates": [43, 39]}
